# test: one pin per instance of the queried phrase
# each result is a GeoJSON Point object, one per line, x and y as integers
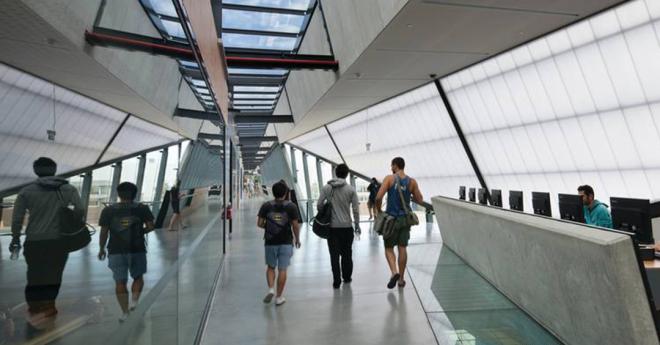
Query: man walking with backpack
{"type": "Point", "coordinates": [340, 237]}
{"type": "Point", "coordinates": [45, 251]}
{"type": "Point", "coordinates": [280, 220]}
{"type": "Point", "coordinates": [125, 223]}
{"type": "Point", "coordinates": [396, 186]}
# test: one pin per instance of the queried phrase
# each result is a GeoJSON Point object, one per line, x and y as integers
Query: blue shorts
{"type": "Point", "coordinates": [279, 256]}
{"type": "Point", "coordinates": [121, 264]}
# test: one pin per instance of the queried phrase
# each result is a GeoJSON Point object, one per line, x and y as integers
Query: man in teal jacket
{"type": "Point", "coordinates": [595, 212]}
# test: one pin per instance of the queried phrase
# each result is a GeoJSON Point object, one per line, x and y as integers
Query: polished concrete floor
{"type": "Point", "coordinates": [445, 302]}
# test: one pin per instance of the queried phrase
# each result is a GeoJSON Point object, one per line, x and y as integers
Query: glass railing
{"type": "Point", "coordinates": [181, 270]}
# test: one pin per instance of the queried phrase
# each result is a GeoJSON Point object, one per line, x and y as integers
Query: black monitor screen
{"type": "Point", "coordinates": [541, 204]}
{"type": "Point", "coordinates": [496, 197]}
{"type": "Point", "coordinates": [482, 196]}
{"type": "Point", "coordinates": [633, 215]}
{"type": "Point", "coordinates": [571, 207]}
{"type": "Point", "coordinates": [461, 192]}
{"type": "Point", "coordinates": [472, 195]}
{"type": "Point", "coordinates": [516, 200]}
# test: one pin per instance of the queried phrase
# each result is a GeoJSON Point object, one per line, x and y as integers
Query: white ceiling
{"type": "Point", "coordinates": [438, 37]}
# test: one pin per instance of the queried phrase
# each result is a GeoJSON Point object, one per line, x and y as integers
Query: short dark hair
{"type": "Point", "coordinates": [399, 162]}
{"type": "Point", "coordinates": [586, 189]}
{"type": "Point", "coordinates": [127, 191]}
{"type": "Point", "coordinates": [44, 166]}
{"type": "Point", "coordinates": [279, 190]}
{"type": "Point", "coordinates": [341, 170]}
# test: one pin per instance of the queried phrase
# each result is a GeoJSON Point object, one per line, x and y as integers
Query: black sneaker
{"type": "Point", "coordinates": [346, 281]}
{"type": "Point", "coordinates": [392, 283]}
{"type": "Point", "coordinates": [336, 285]}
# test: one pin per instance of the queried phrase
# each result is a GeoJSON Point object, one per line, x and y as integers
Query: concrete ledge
{"type": "Point", "coordinates": [581, 283]}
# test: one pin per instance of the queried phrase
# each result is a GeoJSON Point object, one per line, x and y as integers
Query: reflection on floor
{"type": "Point", "coordinates": [88, 311]}
{"type": "Point", "coordinates": [445, 302]}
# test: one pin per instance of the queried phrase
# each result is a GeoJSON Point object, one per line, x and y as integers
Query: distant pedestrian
{"type": "Point", "coordinates": [281, 222]}
{"type": "Point", "coordinates": [340, 237]}
{"type": "Point", "coordinates": [372, 188]}
{"type": "Point", "coordinates": [176, 223]}
{"type": "Point", "coordinates": [398, 208]}
{"type": "Point", "coordinates": [126, 223]}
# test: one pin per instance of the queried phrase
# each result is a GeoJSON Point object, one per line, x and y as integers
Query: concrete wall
{"type": "Point", "coordinates": [581, 283]}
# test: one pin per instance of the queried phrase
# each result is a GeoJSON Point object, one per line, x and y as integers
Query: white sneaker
{"type": "Point", "coordinates": [123, 317]}
{"type": "Point", "coordinates": [279, 301]}
{"type": "Point", "coordinates": [269, 296]}
{"type": "Point", "coordinates": [133, 305]}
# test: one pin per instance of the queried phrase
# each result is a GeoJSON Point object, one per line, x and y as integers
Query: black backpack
{"type": "Point", "coordinates": [321, 222]}
{"type": "Point", "coordinates": [73, 230]}
{"type": "Point", "coordinates": [126, 227]}
{"type": "Point", "coordinates": [277, 219]}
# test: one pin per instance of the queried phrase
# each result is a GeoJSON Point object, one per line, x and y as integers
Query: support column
{"type": "Point", "coordinates": [116, 176]}
{"type": "Point", "coordinates": [353, 183]}
{"type": "Point", "coordinates": [319, 174]}
{"type": "Point", "coordinates": [462, 138]}
{"type": "Point", "coordinates": [142, 163]}
{"type": "Point", "coordinates": [308, 187]}
{"type": "Point", "coordinates": [86, 190]}
{"type": "Point", "coordinates": [231, 184]}
{"type": "Point", "coordinates": [333, 167]}
{"type": "Point", "coordinates": [294, 168]}
{"type": "Point", "coordinates": [158, 196]}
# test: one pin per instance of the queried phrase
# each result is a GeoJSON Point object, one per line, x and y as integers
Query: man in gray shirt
{"type": "Point", "coordinates": [44, 254]}
{"type": "Point", "coordinates": [340, 239]}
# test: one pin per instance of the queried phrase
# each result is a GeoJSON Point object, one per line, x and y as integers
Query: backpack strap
{"type": "Point", "coordinates": [401, 199]}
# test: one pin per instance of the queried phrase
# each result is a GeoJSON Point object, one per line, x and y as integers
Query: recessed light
{"type": "Point", "coordinates": [409, 25]}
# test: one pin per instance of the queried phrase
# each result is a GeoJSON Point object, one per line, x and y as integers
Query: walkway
{"type": "Point", "coordinates": [445, 302]}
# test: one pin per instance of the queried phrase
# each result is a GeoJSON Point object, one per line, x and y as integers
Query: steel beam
{"type": "Point", "coordinates": [263, 119]}
{"type": "Point", "coordinates": [210, 136]}
{"type": "Point", "coordinates": [142, 164]}
{"type": "Point", "coordinates": [196, 114]}
{"type": "Point", "coordinates": [244, 140]}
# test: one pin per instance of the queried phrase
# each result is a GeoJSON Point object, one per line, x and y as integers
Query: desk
{"type": "Point", "coordinates": [653, 274]}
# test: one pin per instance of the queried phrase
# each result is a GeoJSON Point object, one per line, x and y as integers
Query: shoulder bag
{"type": "Point", "coordinates": [74, 233]}
{"type": "Point", "coordinates": [411, 217]}
{"type": "Point", "coordinates": [321, 222]}
{"type": "Point", "coordinates": [384, 224]}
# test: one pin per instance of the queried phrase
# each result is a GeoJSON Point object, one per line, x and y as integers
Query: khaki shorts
{"type": "Point", "coordinates": [401, 234]}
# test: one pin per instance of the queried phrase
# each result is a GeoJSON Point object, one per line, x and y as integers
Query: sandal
{"type": "Point", "coordinates": [393, 280]}
{"type": "Point", "coordinates": [402, 283]}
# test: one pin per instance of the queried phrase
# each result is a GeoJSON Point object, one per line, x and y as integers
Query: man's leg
{"type": "Point", "coordinates": [270, 277]}
{"type": "Point", "coordinates": [173, 221]}
{"type": "Point", "coordinates": [391, 259]}
{"type": "Point", "coordinates": [122, 295]}
{"type": "Point", "coordinates": [403, 261]}
{"type": "Point", "coordinates": [281, 282]}
{"type": "Point", "coordinates": [59, 260]}
{"type": "Point", "coordinates": [346, 252]}
{"type": "Point", "coordinates": [34, 286]}
{"type": "Point", "coordinates": [333, 248]}
{"type": "Point", "coordinates": [136, 289]}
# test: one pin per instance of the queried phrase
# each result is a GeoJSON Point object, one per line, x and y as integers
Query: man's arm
{"type": "Point", "coordinates": [355, 202]}
{"type": "Point", "coordinates": [416, 193]}
{"type": "Point", "coordinates": [103, 240]}
{"type": "Point", "coordinates": [261, 222]}
{"type": "Point", "coordinates": [295, 225]}
{"type": "Point", "coordinates": [387, 182]}
{"type": "Point", "coordinates": [18, 217]}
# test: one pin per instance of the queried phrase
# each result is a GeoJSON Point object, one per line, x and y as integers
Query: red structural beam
{"type": "Point", "coordinates": [108, 37]}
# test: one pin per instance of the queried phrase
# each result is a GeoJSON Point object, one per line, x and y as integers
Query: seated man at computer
{"type": "Point", "coordinates": [595, 212]}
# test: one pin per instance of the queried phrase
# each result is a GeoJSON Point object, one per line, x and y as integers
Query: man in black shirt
{"type": "Point", "coordinates": [280, 220]}
{"type": "Point", "coordinates": [125, 223]}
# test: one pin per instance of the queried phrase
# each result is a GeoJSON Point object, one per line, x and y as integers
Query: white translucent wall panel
{"type": "Point", "coordinates": [415, 126]}
{"type": "Point", "coordinates": [318, 141]}
{"type": "Point", "coordinates": [579, 106]}
{"type": "Point", "coordinates": [83, 126]}
{"type": "Point", "coordinates": [138, 135]}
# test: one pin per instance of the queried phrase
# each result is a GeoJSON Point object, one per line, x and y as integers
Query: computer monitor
{"type": "Point", "coordinates": [541, 203]}
{"type": "Point", "coordinates": [482, 196]}
{"type": "Point", "coordinates": [472, 195]}
{"type": "Point", "coordinates": [571, 207]}
{"type": "Point", "coordinates": [516, 200]}
{"type": "Point", "coordinates": [461, 192]}
{"type": "Point", "coordinates": [496, 197]}
{"type": "Point", "coordinates": [633, 215]}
